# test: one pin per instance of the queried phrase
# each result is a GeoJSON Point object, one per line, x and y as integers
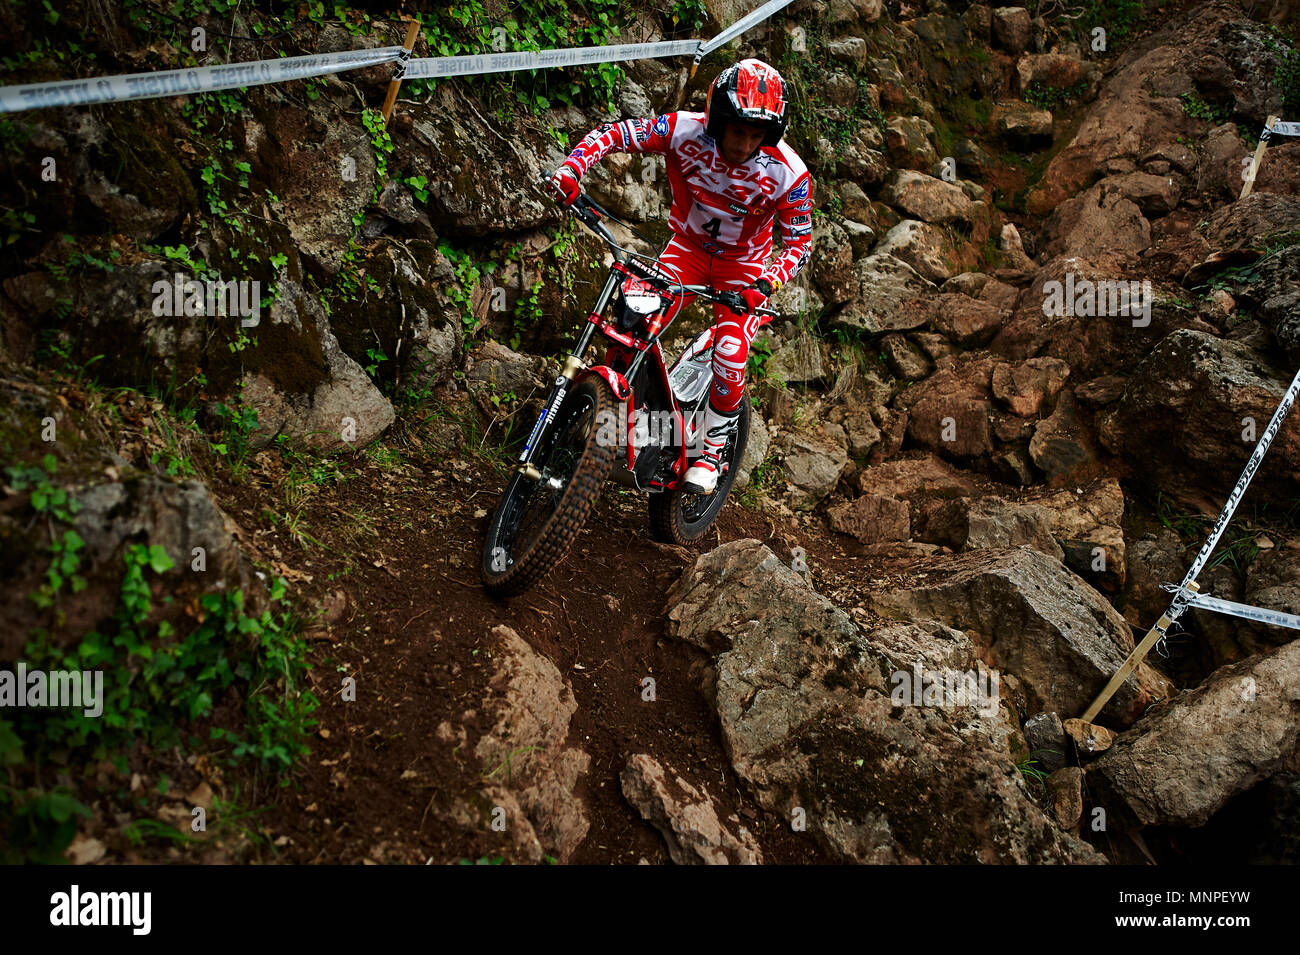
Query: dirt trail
{"type": "Point", "coordinates": [414, 620]}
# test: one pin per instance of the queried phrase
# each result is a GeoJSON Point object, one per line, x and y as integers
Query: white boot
{"type": "Point", "coordinates": [715, 428]}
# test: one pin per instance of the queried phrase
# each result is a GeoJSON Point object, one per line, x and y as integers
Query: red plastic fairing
{"type": "Point", "coordinates": [621, 391]}
{"type": "Point", "coordinates": [615, 380]}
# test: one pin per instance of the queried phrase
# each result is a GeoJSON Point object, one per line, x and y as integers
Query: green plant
{"type": "Point", "coordinates": [56, 505]}
{"type": "Point", "coordinates": [689, 14]}
{"type": "Point", "coordinates": [376, 356]}
{"type": "Point", "coordinates": [468, 273]}
{"type": "Point", "coordinates": [759, 352]}
{"type": "Point", "coordinates": [157, 681]}
{"type": "Point", "coordinates": [1197, 108]}
{"type": "Point", "coordinates": [238, 425]}
{"type": "Point", "coordinates": [381, 143]}
{"type": "Point", "coordinates": [1049, 97]}
{"type": "Point", "coordinates": [765, 475]}
{"type": "Point", "coordinates": [40, 824]}
{"type": "Point", "coordinates": [14, 222]}
{"type": "Point", "coordinates": [1029, 769]}
{"type": "Point", "coordinates": [1286, 76]}
{"type": "Point", "coordinates": [506, 762]}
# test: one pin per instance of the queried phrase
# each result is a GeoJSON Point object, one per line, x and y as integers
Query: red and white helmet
{"type": "Point", "coordinates": [748, 92]}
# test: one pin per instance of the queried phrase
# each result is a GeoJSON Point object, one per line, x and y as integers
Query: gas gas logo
{"type": "Point", "coordinates": [717, 164]}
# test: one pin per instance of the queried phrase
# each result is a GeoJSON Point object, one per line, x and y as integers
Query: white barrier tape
{"type": "Point", "coordinates": [1243, 482]}
{"type": "Point", "coordinates": [399, 73]}
{"type": "Point", "coordinates": [1186, 594]}
{"type": "Point", "coordinates": [431, 67]}
{"type": "Point", "coordinates": [740, 26]}
{"type": "Point", "coordinates": [206, 79]}
{"type": "Point", "coordinates": [1281, 129]}
{"type": "Point", "coordinates": [1245, 611]}
{"type": "Point", "coordinates": [198, 79]}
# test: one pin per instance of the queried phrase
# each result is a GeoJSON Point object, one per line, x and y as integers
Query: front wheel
{"type": "Point", "coordinates": [537, 520]}
{"type": "Point", "coordinates": [679, 517]}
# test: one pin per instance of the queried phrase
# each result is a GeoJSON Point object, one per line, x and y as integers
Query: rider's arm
{"type": "Point", "coordinates": [628, 136]}
{"type": "Point", "coordinates": [794, 212]}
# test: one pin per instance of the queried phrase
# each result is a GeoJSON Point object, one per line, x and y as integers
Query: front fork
{"type": "Point", "coordinates": [563, 381]}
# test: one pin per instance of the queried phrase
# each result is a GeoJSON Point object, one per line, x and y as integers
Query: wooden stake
{"type": "Point", "coordinates": [1131, 664]}
{"type": "Point", "coordinates": [412, 31]}
{"type": "Point", "coordinates": [1256, 160]}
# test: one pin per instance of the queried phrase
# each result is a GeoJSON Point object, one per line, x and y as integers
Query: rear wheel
{"type": "Point", "coordinates": [679, 517]}
{"type": "Point", "coordinates": [537, 520]}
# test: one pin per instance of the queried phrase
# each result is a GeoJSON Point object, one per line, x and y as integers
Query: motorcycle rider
{"type": "Point", "coordinates": [732, 177]}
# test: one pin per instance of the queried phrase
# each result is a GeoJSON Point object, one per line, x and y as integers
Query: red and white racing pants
{"type": "Point", "coordinates": [735, 332]}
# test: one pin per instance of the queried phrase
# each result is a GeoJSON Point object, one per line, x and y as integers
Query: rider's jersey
{"type": "Point", "coordinates": [726, 210]}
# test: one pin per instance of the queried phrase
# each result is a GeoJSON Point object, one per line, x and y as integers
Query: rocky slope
{"type": "Point", "coordinates": [950, 474]}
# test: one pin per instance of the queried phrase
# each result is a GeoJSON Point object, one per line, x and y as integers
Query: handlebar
{"type": "Point", "coordinates": [590, 212]}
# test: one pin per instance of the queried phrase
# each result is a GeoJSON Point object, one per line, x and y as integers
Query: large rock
{"type": "Point", "coordinates": [526, 754]}
{"type": "Point", "coordinates": [1138, 109]}
{"type": "Point", "coordinates": [1094, 314]}
{"type": "Point", "coordinates": [872, 519]}
{"type": "Point", "coordinates": [684, 816]}
{"type": "Point", "coordinates": [798, 360]}
{"type": "Point", "coordinates": [113, 516]}
{"type": "Point", "coordinates": [1154, 195]}
{"type": "Point", "coordinates": [1248, 223]}
{"type": "Point", "coordinates": [1274, 295]}
{"type": "Point", "coordinates": [906, 478]}
{"type": "Point", "coordinates": [1098, 222]}
{"type": "Point", "coordinates": [803, 699]}
{"type": "Point", "coordinates": [311, 390]}
{"type": "Point", "coordinates": [1222, 157]}
{"type": "Point", "coordinates": [1024, 387]}
{"type": "Point", "coordinates": [1023, 125]}
{"type": "Point", "coordinates": [831, 269]}
{"type": "Point", "coordinates": [1039, 621]}
{"type": "Point", "coordinates": [628, 185]}
{"type": "Point", "coordinates": [118, 176]}
{"type": "Point", "coordinates": [1011, 28]}
{"type": "Point", "coordinates": [1058, 71]}
{"type": "Point", "coordinates": [949, 411]}
{"type": "Point", "coordinates": [1181, 764]}
{"type": "Point", "coordinates": [416, 321]}
{"type": "Point", "coordinates": [755, 450]}
{"type": "Point", "coordinates": [887, 296]}
{"type": "Point", "coordinates": [501, 369]}
{"type": "Point", "coordinates": [118, 317]}
{"type": "Point", "coordinates": [925, 247]}
{"type": "Point", "coordinates": [908, 140]}
{"type": "Point", "coordinates": [481, 180]}
{"type": "Point", "coordinates": [923, 197]}
{"type": "Point", "coordinates": [1088, 523]}
{"type": "Point", "coordinates": [993, 523]}
{"type": "Point", "coordinates": [323, 171]}
{"type": "Point", "coordinates": [1063, 446]}
{"type": "Point", "coordinates": [812, 467]}
{"type": "Point", "coordinates": [965, 321]}
{"type": "Point", "coordinates": [1192, 414]}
